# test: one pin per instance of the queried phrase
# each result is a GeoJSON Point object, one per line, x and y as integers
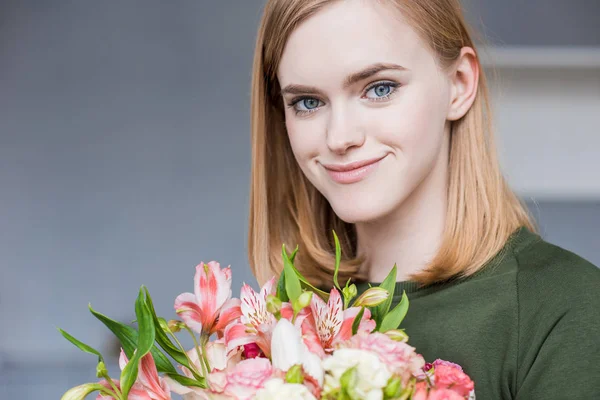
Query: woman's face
{"type": "Point", "coordinates": [365, 107]}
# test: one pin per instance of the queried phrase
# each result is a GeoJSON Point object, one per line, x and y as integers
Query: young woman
{"type": "Point", "coordinates": [371, 118]}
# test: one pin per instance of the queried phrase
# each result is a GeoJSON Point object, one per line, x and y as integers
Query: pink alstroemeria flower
{"type": "Point", "coordinates": [256, 323]}
{"type": "Point", "coordinates": [210, 308]}
{"type": "Point", "coordinates": [148, 385]}
{"type": "Point", "coordinates": [330, 324]}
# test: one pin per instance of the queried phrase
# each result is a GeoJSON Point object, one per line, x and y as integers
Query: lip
{"type": "Point", "coordinates": [352, 172]}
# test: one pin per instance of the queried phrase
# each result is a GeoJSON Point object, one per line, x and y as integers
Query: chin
{"type": "Point", "coordinates": [360, 210]}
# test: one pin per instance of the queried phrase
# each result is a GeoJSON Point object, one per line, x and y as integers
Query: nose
{"type": "Point", "coordinates": [343, 132]}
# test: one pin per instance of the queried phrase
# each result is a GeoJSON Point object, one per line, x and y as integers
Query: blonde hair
{"type": "Point", "coordinates": [285, 208]}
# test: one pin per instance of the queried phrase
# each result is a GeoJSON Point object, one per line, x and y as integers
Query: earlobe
{"type": "Point", "coordinates": [464, 81]}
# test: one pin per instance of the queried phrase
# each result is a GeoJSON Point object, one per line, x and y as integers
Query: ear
{"type": "Point", "coordinates": [464, 79]}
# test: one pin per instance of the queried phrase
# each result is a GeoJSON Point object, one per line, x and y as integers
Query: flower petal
{"type": "Point", "coordinates": [122, 359]}
{"type": "Point", "coordinates": [267, 288]}
{"type": "Point", "coordinates": [230, 311]}
{"type": "Point", "coordinates": [312, 365]}
{"type": "Point", "coordinates": [212, 286]}
{"type": "Point", "coordinates": [254, 306]}
{"type": "Point", "coordinates": [367, 325]}
{"type": "Point", "coordinates": [286, 345]}
{"type": "Point", "coordinates": [138, 392]}
{"type": "Point", "coordinates": [328, 317]}
{"type": "Point", "coordinates": [311, 337]}
{"type": "Point", "coordinates": [148, 377]}
{"type": "Point", "coordinates": [237, 335]}
{"type": "Point", "coordinates": [190, 312]}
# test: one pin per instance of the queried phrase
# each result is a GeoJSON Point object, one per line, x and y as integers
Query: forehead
{"type": "Point", "coordinates": [345, 36]}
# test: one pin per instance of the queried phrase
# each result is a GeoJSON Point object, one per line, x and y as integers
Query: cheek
{"type": "Point", "coordinates": [415, 127]}
{"type": "Point", "coordinates": [305, 138]}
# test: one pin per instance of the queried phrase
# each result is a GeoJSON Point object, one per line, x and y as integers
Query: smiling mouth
{"type": "Point", "coordinates": [352, 172]}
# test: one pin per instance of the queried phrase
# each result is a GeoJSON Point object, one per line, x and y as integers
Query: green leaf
{"type": "Point", "coordinates": [164, 341]}
{"type": "Point", "coordinates": [338, 259]}
{"type": "Point", "coordinates": [389, 284]}
{"type": "Point", "coordinates": [395, 317]}
{"type": "Point", "coordinates": [306, 285]}
{"type": "Point", "coordinates": [144, 344]}
{"type": "Point", "coordinates": [128, 337]}
{"type": "Point", "coordinates": [293, 256]}
{"type": "Point", "coordinates": [81, 345]}
{"type": "Point", "coordinates": [292, 283]}
{"type": "Point", "coordinates": [185, 381]}
{"type": "Point", "coordinates": [357, 319]}
{"type": "Point", "coordinates": [126, 334]}
{"type": "Point", "coordinates": [281, 293]}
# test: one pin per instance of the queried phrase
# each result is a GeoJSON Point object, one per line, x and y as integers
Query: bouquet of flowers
{"type": "Point", "coordinates": [289, 340]}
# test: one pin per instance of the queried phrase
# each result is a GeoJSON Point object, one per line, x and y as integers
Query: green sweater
{"type": "Point", "coordinates": [526, 326]}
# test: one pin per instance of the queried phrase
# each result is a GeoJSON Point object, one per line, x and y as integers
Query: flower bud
{"type": "Point", "coordinates": [393, 388]}
{"type": "Point", "coordinates": [372, 297]}
{"type": "Point", "coordinates": [80, 392]}
{"type": "Point", "coordinates": [273, 304]}
{"type": "Point", "coordinates": [348, 382]}
{"type": "Point", "coordinates": [398, 335]}
{"type": "Point", "coordinates": [173, 326]}
{"type": "Point", "coordinates": [303, 301]}
{"type": "Point", "coordinates": [295, 374]}
{"type": "Point", "coordinates": [349, 292]}
{"type": "Point", "coordinates": [251, 350]}
{"type": "Point", "coordinates": [408, 391]}
{"type": "Point", "coordinates": [101, 370]}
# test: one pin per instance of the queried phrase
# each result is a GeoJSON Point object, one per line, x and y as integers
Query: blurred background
{"type": "Point", "coordinates": [125, 159]}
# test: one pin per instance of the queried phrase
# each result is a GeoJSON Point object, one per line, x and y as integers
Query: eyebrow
{"type": "Point", "coordinates": [349, 81]}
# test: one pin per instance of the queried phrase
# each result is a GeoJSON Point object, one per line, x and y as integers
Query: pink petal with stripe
{"type": "Point", "coordinates": [367, 325]}
{"type": "Point", "coordinates": [212, 286]}
{"type": "Point", "coordinates": [328, 317]}
{"type": "Point", "coordinates": [191, 313]}
{"type": "Point", "coordinates": [230, 312]}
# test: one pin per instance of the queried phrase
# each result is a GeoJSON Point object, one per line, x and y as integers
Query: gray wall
{"type": "Point", "coordinates": [124, 160]}
{"type": "Point", "coordinates": [536, 22]}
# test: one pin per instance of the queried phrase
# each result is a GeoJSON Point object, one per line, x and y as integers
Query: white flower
{"type": "Point", "coordinates": [288, 349]}
{"type": "Point", "coordinates": [371, 374]}
{"type": "Point", "coordinates": [276, 389]}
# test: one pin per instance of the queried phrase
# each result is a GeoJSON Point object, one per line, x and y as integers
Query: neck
{"type": "Point", "coordinates": [409, 237]}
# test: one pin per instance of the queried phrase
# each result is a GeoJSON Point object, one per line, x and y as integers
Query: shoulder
{"type": "Point", "coordinates": [553, 274]}
{"type": "Point", "coordinates": [558, 316]}
{"type": "Point", "coordinates": [557, 294]}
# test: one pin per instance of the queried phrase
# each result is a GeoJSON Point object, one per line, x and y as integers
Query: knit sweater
{"type": "Point", "coordinates": [526, 326]}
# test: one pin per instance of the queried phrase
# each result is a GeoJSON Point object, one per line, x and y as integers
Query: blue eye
{"type": "Point", "coordinates": [308, 103]}
{"type": "Point", "coordinates": [381, 90]}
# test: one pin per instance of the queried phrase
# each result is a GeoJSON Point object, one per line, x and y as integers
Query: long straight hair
{"type": "Point", "coordinates": [285, 208]}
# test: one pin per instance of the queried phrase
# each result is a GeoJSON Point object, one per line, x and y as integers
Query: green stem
{"type": "Point", "coordinates": [201, 354]}
{"type": "Point", "coordinates": [191, 364]}
{"type": "Point", "coordinates": [117, 394]}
